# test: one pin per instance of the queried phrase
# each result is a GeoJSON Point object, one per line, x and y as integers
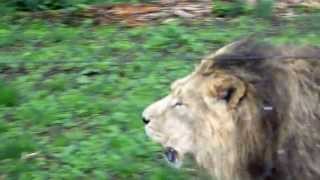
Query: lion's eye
{"type": "Point", "coordinates": [177, 104]}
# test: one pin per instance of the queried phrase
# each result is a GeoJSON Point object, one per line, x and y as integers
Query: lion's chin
{"type": "Point", "coordinates": [173, 157]}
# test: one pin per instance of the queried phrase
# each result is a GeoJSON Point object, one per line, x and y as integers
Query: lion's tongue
{"type": "Point", "coordinates": [171, 154]}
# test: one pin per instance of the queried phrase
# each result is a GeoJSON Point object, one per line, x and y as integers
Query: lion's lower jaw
{"type": "Point", "coordinates": [177, 165]}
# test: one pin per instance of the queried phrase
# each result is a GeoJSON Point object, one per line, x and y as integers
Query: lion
{"type": "Point", "coordinates": [249, 111]}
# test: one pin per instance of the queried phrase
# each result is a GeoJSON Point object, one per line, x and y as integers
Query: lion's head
{"type": "Point", "coordinates": [237, 112]}
{"type": "Point", "coordinates": [199, 114]}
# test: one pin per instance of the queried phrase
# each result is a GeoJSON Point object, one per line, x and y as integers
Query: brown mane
{"type": "Point", "coordinates": [286, 81]}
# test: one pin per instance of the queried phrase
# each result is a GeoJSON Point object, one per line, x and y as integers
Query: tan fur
{"type": "Point", "coordinates": [269, 128]}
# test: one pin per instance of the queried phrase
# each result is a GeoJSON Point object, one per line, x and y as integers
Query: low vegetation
{"type": "Point", "coordinates": [71, 96]}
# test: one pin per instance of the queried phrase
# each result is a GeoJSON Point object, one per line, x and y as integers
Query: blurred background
{"type": "Point", "coordinates": [75, 76]}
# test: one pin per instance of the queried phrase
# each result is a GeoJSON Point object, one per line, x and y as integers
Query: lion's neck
{"type": "Point", "coordinates": [218, 156]}
{"type": "Point", "coordinates": [227, 152]}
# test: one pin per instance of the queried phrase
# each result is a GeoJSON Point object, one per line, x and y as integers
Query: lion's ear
{"type": "Point", "coordinates": [231, 90]}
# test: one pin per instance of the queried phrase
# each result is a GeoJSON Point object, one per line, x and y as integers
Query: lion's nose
{"type": "Point", "coordinates": [145, 120]}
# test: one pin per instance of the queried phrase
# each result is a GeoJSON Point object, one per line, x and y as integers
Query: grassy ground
{"type": "Point", "coordinates": [71, 97]}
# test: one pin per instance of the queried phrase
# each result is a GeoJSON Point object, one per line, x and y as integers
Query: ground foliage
{"type": "Point", "coordinates": [71, 96]}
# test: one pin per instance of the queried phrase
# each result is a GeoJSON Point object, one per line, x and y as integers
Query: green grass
{"type": "Point", "coordinates": [74, 95]}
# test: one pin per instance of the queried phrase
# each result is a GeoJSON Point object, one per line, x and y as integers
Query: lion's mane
{"type": "Point", "coordinates": [280, 137]}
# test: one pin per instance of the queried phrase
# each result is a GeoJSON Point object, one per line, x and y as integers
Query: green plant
{"type": "Point", "coordinates": [230, 8]}
{"type": "Point", "coordinates": [36, 5]}
{"type": "Point", "coordinates": [264, 8]}
{"type": "Point", "coordinates": [33, 5]}
{"type": "Point", "coordinates": [8, 94]}
{"type": "Point", "coordinates": [13, 147]}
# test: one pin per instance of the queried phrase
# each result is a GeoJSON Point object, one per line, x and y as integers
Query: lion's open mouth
{"type": "Point", "coordinates": [172, 156]}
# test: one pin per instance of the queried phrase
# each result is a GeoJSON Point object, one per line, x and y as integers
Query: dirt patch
{"type": "Point", "coordinates": [9, 72]}
{"type": "Point", "coordinates": [59, 69]}
{"type": "Point", "coordinates": [132, 14]}
{"type": "Point", "coordinates": [162, 11]}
